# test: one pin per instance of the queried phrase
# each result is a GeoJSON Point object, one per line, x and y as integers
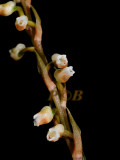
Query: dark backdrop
{"type": "Point", "coordinates": [68, 28]}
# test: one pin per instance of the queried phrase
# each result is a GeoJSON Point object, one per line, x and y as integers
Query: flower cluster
{"type": "Point", "coordinates": [8, 8]}
{"type": "Point", "coordinates": [63, 73]}
{"type": "Point", "coordinates": [45, 116]}
{"type": "Point", "coordinates": [54, 84]}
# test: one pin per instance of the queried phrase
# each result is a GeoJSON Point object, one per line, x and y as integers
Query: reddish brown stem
{"type": "Point", "coordinates": [63, 99]}
{"type": "Point", "coordinates": [38, 36]}
{"type": "Point", "coordinates": [63, 105]}
{"type": "Point", "coordinates": [51, 86]}
{"type": "Point", "coordinates": [36, 39]}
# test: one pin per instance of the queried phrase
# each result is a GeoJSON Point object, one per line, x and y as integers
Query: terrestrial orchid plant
{"type": "Point", "coordinates": [56, 84]}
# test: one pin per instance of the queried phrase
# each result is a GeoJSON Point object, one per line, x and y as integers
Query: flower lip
{"type": "Point", "coordinates": [69, 70]}
{"type": "Point", "coordinates": [37, 118]}
{"type": "Point", "coordinates": [43, 117]}
{"type": "Point", "coordinates": [15, 51]}
{"type": "Point", "coordinates": [63, 75]}
{"type": "Point", "coordinates": [22, 20]}
{"type": "Point", "coordinates": [59, 61]}
{"type": "Point", "coordinates": [53, 135]}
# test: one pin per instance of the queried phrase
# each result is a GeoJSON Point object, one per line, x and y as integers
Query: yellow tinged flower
{"type": "Point", "coordinates": [55, 133]}
{"type": "Point", "coordinates": [14, 53]}
{"type": "Point", "coordinates": [59, 61]}
{"type": "Point", "coordinates": [43, 117]}
{"type": "Point", "coordinates": [7, 8]}
{"type": "Point", "coordinates": [21, 22]}
{"type": "Point", "coordinates": [63, 75]}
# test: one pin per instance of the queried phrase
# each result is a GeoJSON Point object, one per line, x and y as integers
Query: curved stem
{"type": "Point", "coordinates": [27, 49]}
{"type": "Point", "coordinates": [20, 10]}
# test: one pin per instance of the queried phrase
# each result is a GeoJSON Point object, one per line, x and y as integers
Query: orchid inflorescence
{"type": "Point", "coordinates": [56, 84]}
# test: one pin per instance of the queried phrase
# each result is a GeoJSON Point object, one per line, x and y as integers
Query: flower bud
{"type": "Point", "coordinates": [7, 8]}
{"type": "Point", "coordinates": [43, 117]}
{"type": "Point", "coordinates": [21, 22]}
{"type": "Point", "coordinates": [55, 133]}
{"type": "Point", "coordinates": [59, 61]}
{"type": "Point", "coordinates": [62, 75]}
{"type": "Point", "coordinates": [14, 53]}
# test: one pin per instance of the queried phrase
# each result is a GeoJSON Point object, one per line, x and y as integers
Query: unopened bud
{"type": "Point", "coordinates": [59, 61]}
{"type": "Point", "coordinates": [63, 75]}
{"type": "Point", "coordinates": [7, 9]}
{"type": "Point", "coordinates": [21, 22]}
{"type": "Point", "coordinates": [55, 133]}
{"type": "Point", "coordinates": [14, 53]}
{"type": "Point", "coordinates": [43, 117]}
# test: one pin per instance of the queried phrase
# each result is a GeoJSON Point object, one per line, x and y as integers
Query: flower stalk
{"type": "Point", "coordinates": [56, 84]}
{"type": "Point", "coordinates": [68, 134]}
{"type": "Point", "coordinates": [20, 10]}
{"type": "Point", "coordinates": [31, 24]}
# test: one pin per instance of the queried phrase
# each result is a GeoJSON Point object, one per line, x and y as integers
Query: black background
{"type": "Point", "coordinates": [68, 28]}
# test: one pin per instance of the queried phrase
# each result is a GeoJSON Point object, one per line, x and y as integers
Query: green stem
{"type": "Point", "coordinates": [60, 87]}
{"type": "Point", "coordinates": [31, 24]}
{"type": "Point", "coordinates": [77, 152]}
{"type": "Point", "coordinates": [27, 49]}
{"type": "Point", "coordinates": [68, 134]}
{"type": "Point", "coordinates": [20, 10]}
{"type": "Point", "coordinates": [63, 96]}
{"type": "Point", "coordinates": [48, 66]}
